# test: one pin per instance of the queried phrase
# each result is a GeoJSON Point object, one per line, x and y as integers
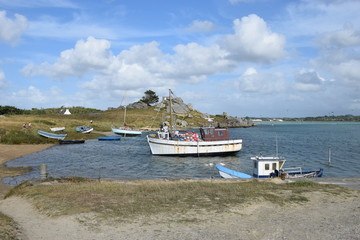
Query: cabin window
{"type": "Point", "coordinates": [255, 165]}
{"type": "Point", "coordinates": [274, 166]}
{"type": "Point", "coordinates": [267, 166]}
{"type": "Point", "coordinates": [220, 133]}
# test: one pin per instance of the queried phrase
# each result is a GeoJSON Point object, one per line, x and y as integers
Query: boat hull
{"type": "Point", "coordinates": [84, 129]}
{"type": "Point", "coordinates": [126, 132]}
{"type": "Point", "coordinates": [57, 129]}
{"type": "Point", "coordinates": [74, 141]}
{"type": "Point", "coordinates": [52, 135]}
{"type": "Point", "coordinates": [229, 173]}
{"type": "Point", "coordinates": [176, 147]}
{"type": "Point", "coordinates": [109, 138]}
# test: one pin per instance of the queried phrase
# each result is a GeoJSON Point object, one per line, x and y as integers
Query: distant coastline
{"type": "Point", "coordinates": [340, 118]}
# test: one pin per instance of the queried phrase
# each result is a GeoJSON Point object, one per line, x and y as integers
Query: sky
{"type": "Point", "coordinates": [255, 58]}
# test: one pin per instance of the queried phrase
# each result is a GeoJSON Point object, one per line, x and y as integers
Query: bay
{"type": "Point", "coordinates": [303, 144]}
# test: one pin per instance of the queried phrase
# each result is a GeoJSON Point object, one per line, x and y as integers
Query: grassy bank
{"type": "Point", "coordinates": [127, 200]}
{"type": "Point", "coordinates": [12, 131]}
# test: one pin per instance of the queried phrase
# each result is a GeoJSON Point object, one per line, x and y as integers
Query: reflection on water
{"type": "Point", "coordinates": [304, 145]}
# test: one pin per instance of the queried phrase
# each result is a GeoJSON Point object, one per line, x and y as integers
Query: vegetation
{"type": "Point", "coordinates": [125, 200]}
{"type": "Point", "coordinates": [150, 98]}
{"type": "Point", "coordinates": [9, 230]}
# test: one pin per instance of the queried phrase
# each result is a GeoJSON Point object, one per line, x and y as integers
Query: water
{"type": "Point", "coordinates": [303, 145]}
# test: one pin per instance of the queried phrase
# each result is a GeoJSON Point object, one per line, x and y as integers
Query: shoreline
{"type": "Point", "coordinates": [9, 152]}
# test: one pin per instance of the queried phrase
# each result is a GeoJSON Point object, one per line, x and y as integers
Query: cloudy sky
{"type": "Point", "coordinates": [258, 58]}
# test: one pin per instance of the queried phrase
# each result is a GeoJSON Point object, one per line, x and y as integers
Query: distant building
{"type": "Point", "coordinates": [67, 112]}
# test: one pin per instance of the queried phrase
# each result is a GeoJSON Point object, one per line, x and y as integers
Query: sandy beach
{"type": "Point", "coordinates": [324, 216]}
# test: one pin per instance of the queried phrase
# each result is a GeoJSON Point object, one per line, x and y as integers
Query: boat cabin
{"type": "Point", "coordinates": [266, 166]}
{"type": "Point", "coordinates": [214, 134]}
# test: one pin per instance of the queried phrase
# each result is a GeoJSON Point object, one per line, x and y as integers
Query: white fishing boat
{"type": "Point", "coordinates": [210, 141]}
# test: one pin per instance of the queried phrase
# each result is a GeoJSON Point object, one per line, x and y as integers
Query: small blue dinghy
{"type": "Point", "coordinates": [51, 135]}
{"type": "Point", "coordinates": [109, 138]}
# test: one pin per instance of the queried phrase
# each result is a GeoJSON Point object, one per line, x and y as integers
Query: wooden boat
{"type": "Point", "coordinates": [57, 129]}
{"type": "Point", "coordinates": [51, 135]}
{"type": "Point", "coordinates": [71, 141]}
{"type": "Point", "coordinates": [84, 129]}
{"type": "Point", "coordinates": [268, 167]}
{"type": "Point", "coordinates": [210, 141]}
{"type": "Point", "coordinates": [109, 138]}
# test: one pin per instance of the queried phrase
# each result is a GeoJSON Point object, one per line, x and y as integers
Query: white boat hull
{"type": "Point", "coordinates": [57, 129]}
{"type": "Point", "coordinates": [126, 132]}
{"type": "Point", "coordinates": [176, 147]}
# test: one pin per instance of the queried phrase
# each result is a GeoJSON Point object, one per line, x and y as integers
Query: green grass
{"type": "Point", "coordinates": [134, 198]}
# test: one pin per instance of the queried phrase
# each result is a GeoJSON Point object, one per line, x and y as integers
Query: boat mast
{"type": "Point", "coordinates": [171, 113]}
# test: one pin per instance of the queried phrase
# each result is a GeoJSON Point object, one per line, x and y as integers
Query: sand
{"type": "Point", "coordinates": [325, 216]}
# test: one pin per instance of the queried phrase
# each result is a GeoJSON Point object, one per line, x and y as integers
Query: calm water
{"type": "Point", "coordinates": [302, 144]}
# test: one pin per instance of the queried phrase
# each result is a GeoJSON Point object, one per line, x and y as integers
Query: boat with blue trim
{"type": "Point", "coordinates": [269, 167]}
{"type": "Point", "coordinates": [51, 135]}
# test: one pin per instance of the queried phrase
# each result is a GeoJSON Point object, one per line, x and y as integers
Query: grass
{"type": "Point", "coordinates": [126, 200]}
{"type": "Point", "coordinates": [12, 131]}
{"type": "Point", "coordinates": [9, 230]}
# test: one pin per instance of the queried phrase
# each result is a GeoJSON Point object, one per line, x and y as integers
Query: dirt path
{"type": "Point", "coordinates": [324, 217]}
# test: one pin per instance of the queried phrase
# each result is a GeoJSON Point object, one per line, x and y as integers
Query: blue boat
{"type": "Point", "coordinates": [51, 135]}
{"type": "Point", "coordinates": [109, 138]}
{"type": "Point", "coordinates": [268, 167]}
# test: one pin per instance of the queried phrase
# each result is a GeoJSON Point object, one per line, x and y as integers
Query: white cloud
{"type": "Point", "coordinates": [308, 80]}
{"type": "Point", "coordinates": [11, 30]}
{"type": "Point", "coordinates": [267, 83]}
{"type": "Point", "coordinates": [254, 41]}
{"type": "Point", "coordinates": [308, 17]}
{"type": "Point", "coordinates": [30, 94]}
{"type": "Point", "coordinates": [147, 65]}
{"type": "Point", "coordinates": [201, 26]}
{"type": "Point", "coordinates": [87, 56]}
{"type": "Point", "coordinates": [346, 37]}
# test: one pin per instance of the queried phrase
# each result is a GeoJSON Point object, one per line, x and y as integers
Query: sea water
{"type": "Point", "coordinates": [303, 144]}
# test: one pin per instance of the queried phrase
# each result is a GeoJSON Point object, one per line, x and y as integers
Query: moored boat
{"type": "Point", "coordinates": [71, 141]}
{"type": "Point", "coordinates": [109, 138]}
{"type": "Point", "coordinates": [126, 131]}
{"type": "Point", "coordinates": [51, 135]}
{"type": "Point", "coordinates": [84, 129]}
{"type": "Point", "coordinates": [268, 167]}
{"type": "Point", "coordinates": [57, 129]}
{"type": "Point", "coordinates": [210, 141]}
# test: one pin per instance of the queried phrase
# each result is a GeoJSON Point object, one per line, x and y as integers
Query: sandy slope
{"type": "Point", "coordinates": [324, 217]}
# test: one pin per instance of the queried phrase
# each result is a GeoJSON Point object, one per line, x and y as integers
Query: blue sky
{"type": "Point", "coordinates": [258, 58]}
